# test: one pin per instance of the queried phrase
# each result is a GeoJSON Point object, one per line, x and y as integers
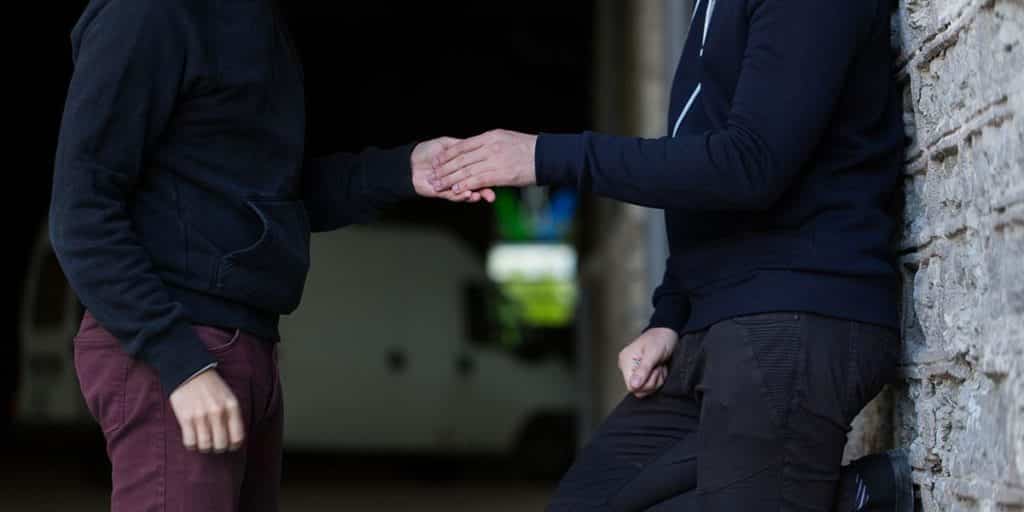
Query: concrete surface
{"type": "Point", "coordinates": [67, 477]}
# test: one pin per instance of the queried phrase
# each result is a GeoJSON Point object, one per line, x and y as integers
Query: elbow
{"type": "Point", "coordinates": [69, 227]}
{"type": "Point", "coordinates": [56, 227]}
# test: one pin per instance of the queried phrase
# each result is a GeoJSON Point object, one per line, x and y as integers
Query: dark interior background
{"type": "Point", "coordinates": [377, 73]}
{"type": "Point", "coordinates": [380, 74]}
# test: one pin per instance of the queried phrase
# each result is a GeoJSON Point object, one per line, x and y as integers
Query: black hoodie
{"type": "Point", "coordinates": [784, 152]}
{"type": "Point", "coordinates": [181, 192]}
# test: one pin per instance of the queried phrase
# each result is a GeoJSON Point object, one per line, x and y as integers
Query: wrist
{"type": "Point", "coordinates": [663, 334]}
{"type": "Point", "coordinates": [201, 371]}
{"type": "Point", "coordinates": [662, 329]}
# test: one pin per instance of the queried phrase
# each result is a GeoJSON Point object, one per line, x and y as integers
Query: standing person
{"type": "Point", "coordinates": [181, 214]}
{"type": "Point", "coordinates": [777, 318]}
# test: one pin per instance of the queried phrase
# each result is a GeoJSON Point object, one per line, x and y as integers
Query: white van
{"type": "Point", "coordinates": [385, 354]}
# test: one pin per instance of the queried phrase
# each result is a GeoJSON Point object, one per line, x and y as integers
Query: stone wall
{"type": "Point", "coordinates": [960, 409]}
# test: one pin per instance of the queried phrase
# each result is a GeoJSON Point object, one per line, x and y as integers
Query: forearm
{"type": "Point", "coordinates": [345, 188]}
{"type": "Point", "coordinates": [113, 275]}
{"type": "Point", "coordinates": [711, 172]}
{"type": "Point", "coordinates": [776, 120]}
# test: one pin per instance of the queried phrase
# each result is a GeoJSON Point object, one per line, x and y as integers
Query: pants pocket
{"type": "Point", "coordinates": [216, 340]}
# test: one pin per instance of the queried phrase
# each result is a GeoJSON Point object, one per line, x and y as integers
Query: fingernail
{"type": "Point", "coordinates": [455, 187]}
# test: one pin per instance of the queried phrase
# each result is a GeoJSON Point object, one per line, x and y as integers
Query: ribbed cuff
{"type": "Point", "coordinates": [177, 357]}
{"type": "Point", "coordinates": [559, 159]}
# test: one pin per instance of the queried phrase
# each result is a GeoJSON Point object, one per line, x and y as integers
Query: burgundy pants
{"type": "Point", "coordinates": [152, 470]}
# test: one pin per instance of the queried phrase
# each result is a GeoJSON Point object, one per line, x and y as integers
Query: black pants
{"type": "Point", "coordinates": [753, 416]}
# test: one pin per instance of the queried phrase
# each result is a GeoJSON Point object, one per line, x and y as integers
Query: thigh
{"type": "Point", "coordinates": [686, 502]}
{"type": "Point", "coordinates": [744, 405]}
{"type": "Point", "coordinates": [778, 393]}
{"type": "Point", "coordinates": [211, 481]}
{"type": "Point", "coordinates": [151, 469]}
{"type": "Point", "coordinates": [642, 454]}
{"type": "Point", "coordinates": [846, 365]}
{"type": "Point", "coordinates": [129, 407]}
{"type": "Point", "coordinates": [261, 487]}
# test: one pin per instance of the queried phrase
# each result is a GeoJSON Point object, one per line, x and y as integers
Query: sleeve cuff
{"type": "Point", "coordinates": [387, 174]}
{"type": "Point", "coordinates": [559, 159]}
{"type": "Point", "coordinates": [178, 357]}
{"type": "Point", "coordinates": [201, 370]}
{"type": "Point", "coordinates": [670, 313]}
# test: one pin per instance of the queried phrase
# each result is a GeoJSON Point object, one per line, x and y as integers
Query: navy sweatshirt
{"type": "Point", "coordinates": [785, 148]}
{"type": "Point", "coordinates": [181, 193]}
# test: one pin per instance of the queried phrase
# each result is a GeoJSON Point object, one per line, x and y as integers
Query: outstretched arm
{"type": "Point", "coordinates": [347, 188]}
{"type": "Point", "coordinates": [777, 118]}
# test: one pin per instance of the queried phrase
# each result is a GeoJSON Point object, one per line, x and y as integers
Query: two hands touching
{"type": "Point", "coordinates": [208, 412]}
{"type": "Point", "coordinates": [466, 170]}
{"type": "Point", "coordinates": [423, 161]}
{"type": "Point", "coordinates": [460, 171]}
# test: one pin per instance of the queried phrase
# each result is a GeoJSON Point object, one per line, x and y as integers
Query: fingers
{"type": "Point", "coordinates": [485, 179]}
{"type": "Point", "coordinates": [644, 365]}
{"type": "Point", "coordinates": [218, 429]}
{"type": "Point", "coordinates": [448, 173]}
{"type": "Point", "coordinates": [457, 149]}
{"type": "Point", "coordinates": [629, 358]}
{"type": "Point", "coordinates": [209, 414]}
{"type": "Point", "coordinates": [473, 179]}
{"type": "Point", "coordinates": [204, 440]}
{"type": "Point", "coordinates": [643, 362]}
{"type": "Point", "coordinates": [236, 429]}
{"type": "Point", "coordinates": [459, 197]}
{"type": "Point", "coordinates": [654, 382]}
{"type": "Point", "coordinates": [468, 195]}
{"type": "Point", "coordinates": [188, 434]}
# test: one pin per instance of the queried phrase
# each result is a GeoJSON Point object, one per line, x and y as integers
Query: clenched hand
{"type": "Point", "coordinates": [208, 414]}
{"type": "Point", "coordinates": [644, 362]}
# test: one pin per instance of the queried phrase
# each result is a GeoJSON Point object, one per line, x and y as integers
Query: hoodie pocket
{"type": "Point", "coordinates": [271, 273]}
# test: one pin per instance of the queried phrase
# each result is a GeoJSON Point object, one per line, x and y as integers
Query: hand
{"type": "Point", "coordinates": [422, 161]}
{"type": "Point", "coordinates": [208, 414]}
{"type": "Point", "coordinates": [643, 362]}
{"type": "Point", "coordinates": [498, 158]}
